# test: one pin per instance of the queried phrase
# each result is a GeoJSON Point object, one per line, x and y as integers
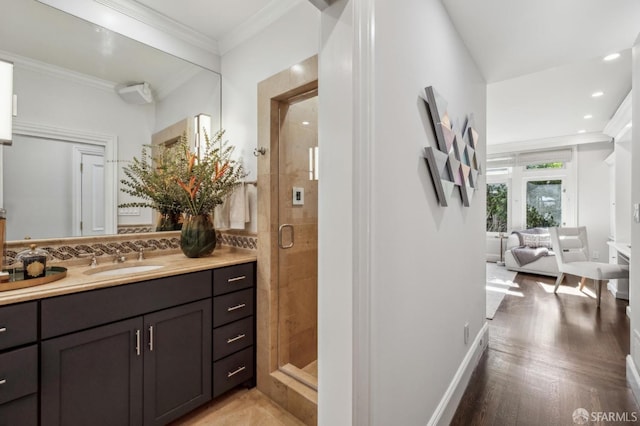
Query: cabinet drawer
{"type": "Point", "coordinates": [232, 307]}
{"type": "Point", "coordinates": [232, 370]}
{"type": "Point", "coordinates": [65, 314]}
{"type": "Point", "coordinates": [18, 373]}
{"type": "Point", "coordinates": [18, 324]}
{"type": "Point", "coordinates": [232, 337]}
{"type": "Point", "coordinates": [233, 278]}
{"type": "Point", "coordinates": [22, 412]}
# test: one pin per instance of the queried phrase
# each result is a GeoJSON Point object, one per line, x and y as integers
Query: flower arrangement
{"type": "Point", "coordinates": [179, 181]}
{"type": "Point", "coordinates": [205, 179]}
{"type": "Point", "coordinates": [153, 180]}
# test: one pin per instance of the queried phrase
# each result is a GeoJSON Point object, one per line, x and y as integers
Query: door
{"type": "Point", "coordinates": [177, 361]}
{"type": "Point", "coordinates": [88, 190]}
{"type": "Point", "coordinates": [92, 194]}
{"type": "Point", "coordinates": [298, 237]}
{"type": "Point", "coordinates": [93, 377]}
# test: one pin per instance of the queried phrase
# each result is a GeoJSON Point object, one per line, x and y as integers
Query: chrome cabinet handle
{"type": "Point", "coordinates": [138, 342]}
{"type": "Point", "coordinates": [3, 329]}
{"type": "Point", "coordinates": [280, 229]}
{"type": "Point", "coordinates": [3, 381]}
{"type": "Point", "coordinates": [238, 337]}
{"type": "Point", "coordinates": [150, 337]}
{"type": "Point", "coordinates": [233, 373]}
{"type": "Point", "coordinates": [233, 308]}
{"type": "Point", "coordinates": [242, 277]}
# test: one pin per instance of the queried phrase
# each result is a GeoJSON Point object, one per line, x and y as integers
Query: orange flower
{"type": "Point", "coordinates": [221, 171]}
{"type": "Point", "coordinates": [192, 188]}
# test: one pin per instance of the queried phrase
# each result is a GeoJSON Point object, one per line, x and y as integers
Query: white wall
{"type": "Point", "coordinates": [289, 40]}
{"type": "Point", "coordinates": [199, 94]}
{"type": "Point", "coordinates": [335, 223]}
{"type": "Point", "coordinates": [634, 268]}
{"type": "Point", "coordinates": [593, 196]}
{"type": "Point", "coordinates": [39, 189]}
{"type": "Point", "coordinates": [53, 100]}
{"type": "Point", "coordinates": [623, 190]}
{"type": "Point", "coordinates": [427, 272]}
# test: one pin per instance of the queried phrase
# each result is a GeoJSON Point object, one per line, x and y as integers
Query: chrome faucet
{"type": "Point", "coordinates": [94, 259]}
{"type": "Point", "coordinates": [141, 254]}
{"type": "Point", "coordinates": [118, 257]}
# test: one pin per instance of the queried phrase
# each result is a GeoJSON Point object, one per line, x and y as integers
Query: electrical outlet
{"type": "Point", "coordinates": [595, 255]}
{"type": "Point", "coordinates": [466, 333]}
{"type": "Point", "coordinates": [636, 212]}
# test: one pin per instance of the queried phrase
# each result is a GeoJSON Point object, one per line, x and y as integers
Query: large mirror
{"type": "Point", "coordinates": [88, 100]}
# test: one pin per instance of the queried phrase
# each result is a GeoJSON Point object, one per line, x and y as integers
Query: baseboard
{"type": "Point", "coordinates": [449, 403]}
{"type": "Point", "coordinates": [613, 289]}
{"type": "Point", "coordinates": [633, 379]}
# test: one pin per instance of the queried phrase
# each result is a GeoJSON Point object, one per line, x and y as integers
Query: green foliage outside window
{"type": "Point", "coordinates": [497, 207]}
{"type": "Point", "coordinates": [544, 203]}
{"type": "Point", "coordinates": [557, 165]}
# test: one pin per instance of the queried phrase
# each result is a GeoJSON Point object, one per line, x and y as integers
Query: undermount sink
{"type": "Point", "coordinates": [122, 270]}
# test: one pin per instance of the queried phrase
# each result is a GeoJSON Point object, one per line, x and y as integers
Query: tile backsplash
{"type": "Point", "coordinates": [129, 243]}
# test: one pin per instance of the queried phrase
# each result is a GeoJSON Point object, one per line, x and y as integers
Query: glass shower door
{"type": "Point", "coordinates": [298, 238]}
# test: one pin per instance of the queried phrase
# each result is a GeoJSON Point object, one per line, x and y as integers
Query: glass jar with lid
{"type": "Point", "coordinates": [34, 262]}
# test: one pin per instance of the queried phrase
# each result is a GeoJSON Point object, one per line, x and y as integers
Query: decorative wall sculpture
{"type": "Point", "coordinates": [454, 164]}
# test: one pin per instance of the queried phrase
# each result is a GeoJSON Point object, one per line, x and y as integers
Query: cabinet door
{"type": "Point", "coordinates": [93, 377]}
{"type": "Point", "coordinates": [177, 367]}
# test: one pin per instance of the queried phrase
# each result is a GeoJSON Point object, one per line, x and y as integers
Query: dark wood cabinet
{"type": "Point", "coordinates": [234, 327]}
{"type": "Point", "coordinates": [159, 365]}
{"type": "Point", "coordinates": [93, 377]}
{"type": "Point", "coordinates": [19, 365]}
{"type": "Point", "coordinates": [177, 361]}
{"type": "Point", "coordinates": [136, 354]}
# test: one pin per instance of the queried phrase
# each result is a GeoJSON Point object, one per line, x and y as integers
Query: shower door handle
{"type": "Point", "coordinates": [280, 229]}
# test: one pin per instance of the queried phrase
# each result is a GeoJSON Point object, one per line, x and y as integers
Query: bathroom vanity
{"type": "Point", "coordinates": [135, 348]}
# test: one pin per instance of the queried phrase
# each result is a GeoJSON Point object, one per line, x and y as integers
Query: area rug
{"type": "Point", "coordinates": [499, 283]}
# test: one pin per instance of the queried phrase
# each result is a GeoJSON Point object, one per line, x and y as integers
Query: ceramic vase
{"type": "Point", "coordinates": [197, 237]}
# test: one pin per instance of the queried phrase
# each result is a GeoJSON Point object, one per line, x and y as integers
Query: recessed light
{"type": "Point", "coordinates": [597, 94]}
{"type": "Point", "coordinates": [582, 131]}
{"type": "Point", "coordinates": [305, 123]}
{"type": "Point", "coordinates": [588, 116]}
{"type": "Point", "coordinates": [611, 57]}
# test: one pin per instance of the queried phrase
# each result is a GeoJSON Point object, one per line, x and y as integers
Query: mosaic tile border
{"type": "Point", "coordinates": [153, 243]}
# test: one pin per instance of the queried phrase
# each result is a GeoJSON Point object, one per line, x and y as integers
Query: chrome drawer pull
{"type": "Point", "coordinates": [238, 337]}
{"type": "Point", "coordinates": [137, 342]}
{"type": "Point", "coordinates": [233, 308]}
{"type": "Point", "coordinates": [150, 337]}
{"type": "Point", "coordinates": [3, 329]}
{"type": "Point", "coordinates": [242, 277]}
{"type": "Point", "coordinates": [233, 373]}
{"type": "Point", "coordinates": [3, 381]}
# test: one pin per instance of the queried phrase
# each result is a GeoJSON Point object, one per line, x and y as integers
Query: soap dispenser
{"type": "Point", "coordinates": [34, 262]}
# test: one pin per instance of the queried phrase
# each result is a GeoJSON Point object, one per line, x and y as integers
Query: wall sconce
{"type": "Point", "coordinates": [202, 126]}
{"type": "Point", "coordinates": [6, 102]}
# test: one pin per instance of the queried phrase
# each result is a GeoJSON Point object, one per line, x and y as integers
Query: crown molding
{"type": "Point", "coordinates": [618, 126]}
{"type": "Point", "coordinates": [158, 33]}
{"type": "Point", "coordinates": [58, 72]}
{"type": "Point", "coordinates": [548, 143]}
{"type": "Point", "coordinates": [256, 23]}
{"type": "Point", "coordinates": [151, 17]}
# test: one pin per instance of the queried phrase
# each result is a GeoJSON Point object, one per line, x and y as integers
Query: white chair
{"type": "Point", "coordinates": [572, 254]}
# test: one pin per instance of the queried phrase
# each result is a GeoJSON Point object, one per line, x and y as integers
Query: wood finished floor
{"type": "Point", "coordinates": [549, 355]}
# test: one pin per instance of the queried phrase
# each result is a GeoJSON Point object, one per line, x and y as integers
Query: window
{"type": "Point", "coordinates": [544, 203]}
{"type": "Point", "coordinates": [497, 207]}
{"type": "Point", "coordinates": [556, 165]}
